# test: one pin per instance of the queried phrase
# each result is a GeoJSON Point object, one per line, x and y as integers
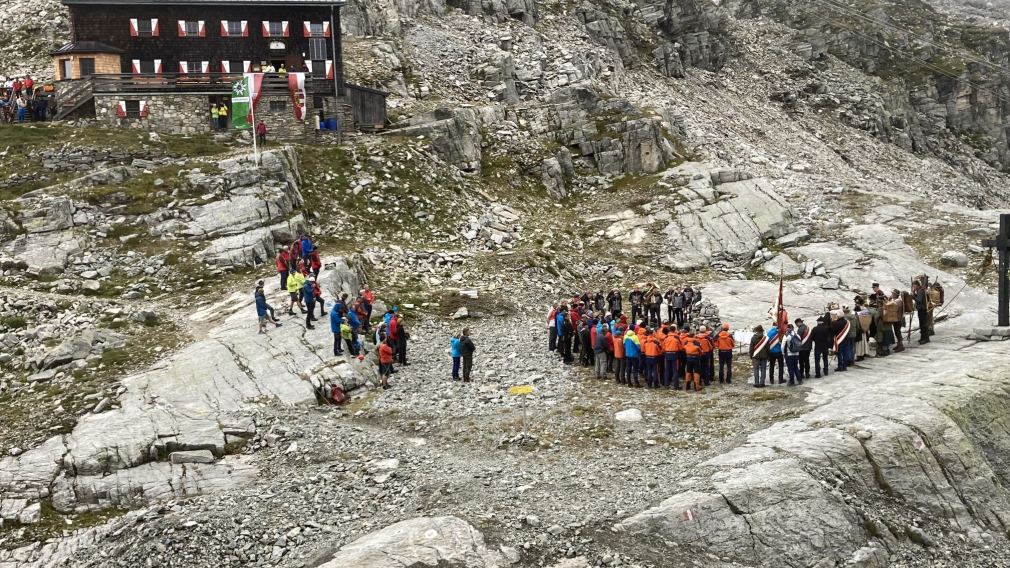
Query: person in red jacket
{"type": "Point", "coordinates": [283, 263]}
{"type": "Point", "coordinates": [385, 363]}
{"type": "Point", "coordinates": [725, 343]}
{"type": "Point", "coordinates": [318, 293]}
{"type": "Point", "coordinates": [315, 263]}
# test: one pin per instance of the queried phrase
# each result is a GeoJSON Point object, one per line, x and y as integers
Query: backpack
{"type": "Point", "coordinates": [337, 395]}
{"type": "Point", "coordinates": [795, 345]}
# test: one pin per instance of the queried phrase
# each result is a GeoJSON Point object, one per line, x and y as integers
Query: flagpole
{"type": "Point", "coordinates": [252, 112]}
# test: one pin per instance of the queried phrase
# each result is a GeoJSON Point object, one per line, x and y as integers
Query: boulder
{"type": "Point", "coordinates": [629, 415]}
{"type": "Point", "coordinates": [47, 215]}
{"type": "Point", "coordinates": [955, 259]}
{"type": "Point", "coordinates": [442, 542]}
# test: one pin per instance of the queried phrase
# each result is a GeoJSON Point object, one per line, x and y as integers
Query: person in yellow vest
{"type": "Point", "coordinates": [222, 113]}
{"type": "Point", "coordinates": [282, 70]}
{"type": "Point", "coordinates": [214, 116]}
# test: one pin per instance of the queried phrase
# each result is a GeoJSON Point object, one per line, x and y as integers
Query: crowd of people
{"type": "Point", "coordinates": [644, 349]}
{"type": "Point", "coordinates": [23, 99]}
{"type": "Point", "coordinates": [298, 267]}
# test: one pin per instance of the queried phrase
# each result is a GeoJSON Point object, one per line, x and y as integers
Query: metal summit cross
{"type": "Point", "coordinates": [1002, 245]}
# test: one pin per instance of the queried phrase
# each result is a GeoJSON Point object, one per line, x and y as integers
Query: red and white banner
{"type": "Point", "coordinates": [842, 334]}
{"type": "Point", "coordinates": [296, 83]}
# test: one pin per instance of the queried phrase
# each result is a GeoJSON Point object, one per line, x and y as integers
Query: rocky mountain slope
{"type": "Point", "coordinates": [537, 149]}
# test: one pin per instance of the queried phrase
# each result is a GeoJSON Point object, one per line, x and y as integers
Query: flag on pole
{"type": "Point", "coordinates": [245, 93]}
{"type": "Point", "coordinates": [296, 84]}
{"type": "Point", "coordinates": [781, 316]}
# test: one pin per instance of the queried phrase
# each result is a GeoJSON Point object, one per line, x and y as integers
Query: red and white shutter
{"type": "Point", "coordinates": [202, 27]}
{"type": "Point", "coordinates": [155, 30]}
{"type": "Point", "coordinates": [224, 28]}
{"type": "Point", "coordinates": [308, 65]}
{"type": "Point", "coordinates": [134, 28]}
{"type": "Point", "coordinates": [183, 67]}
{"type": "Point", "coordinates": [247, 66]}
{"type": "Point", "coordinates": [306, 29]}
{"type": "Point", "coordinates": [326, 29]}
{"type": "Point", "coordinates": [329, 68]}
{"type": "Point", "coordinates": [157, 67]}
{"type": "Point", "coordinates": [285, 29]}
{"type": "Point", "coordinates": [143, 109]}
{"type": "Point", "coordinates": [135, 65]}
{"type": "Point", "coordinates": [182, 28]}
{"type": "Point", "coordinates": [266, 29]}
{"type": "Point", "coordinates": [121, 109]}
{"type": "Point", "coordinates": [245, 28]}
{"type": "Point", "coordinates": [205, 66]}
{"type": "Point", "coordinates": [226, 66]}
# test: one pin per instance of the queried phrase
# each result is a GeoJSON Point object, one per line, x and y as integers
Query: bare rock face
{"type": "Point", "coordinates": [443, 542]}
{"type": "Point", "coordinates": [454, 134]}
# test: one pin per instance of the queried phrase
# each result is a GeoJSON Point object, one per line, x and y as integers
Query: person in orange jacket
{"type": "Point", "coordinates": [682, 355]}
{"type": "Point", "coordinates": [725, 343]}
{"type": "Point", "coordinates": [704, 360]}
{"type": "Point", "coordinates": [692, 352]}
{"type": "Point", "coordinates": [671, 351]}
{"type": "Point", "coordinates": [385, 363]}
{"type": "Point", "coordinates": [652, 349]}
{"type": "Point", "coordinates": [619, 363]}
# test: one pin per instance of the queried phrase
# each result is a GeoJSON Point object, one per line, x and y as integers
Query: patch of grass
{"type": "Point", "coordinates": [13, 322]}
{"type": "Point", "coordinates": [53, 524]}
{"type": "Point", "coordinates": [116, 357]}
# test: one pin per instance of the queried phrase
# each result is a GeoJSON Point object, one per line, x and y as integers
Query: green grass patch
{"type": "Point", "coordinates": [13, 322]}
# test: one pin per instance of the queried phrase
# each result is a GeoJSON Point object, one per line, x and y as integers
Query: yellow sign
{"type": "Point", "coordinates": [521, 389]}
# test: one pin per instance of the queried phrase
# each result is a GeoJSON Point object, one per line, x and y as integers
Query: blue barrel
{"type": "Point", "coordinates": [331, 124]}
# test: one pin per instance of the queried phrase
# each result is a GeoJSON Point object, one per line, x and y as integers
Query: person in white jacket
{"type": "Point", "coordinates": [792, 344]}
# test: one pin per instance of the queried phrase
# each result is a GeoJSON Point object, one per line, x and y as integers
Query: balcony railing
{"type": "Point", "coordinates": [208, 83]}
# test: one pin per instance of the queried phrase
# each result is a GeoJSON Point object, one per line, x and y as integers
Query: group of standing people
{"type": "Point", "coordinates": [298, 267]}
{"type": "Point", "coordinates": [22, 99]}
{"type": "Point", "coordinates": [645, 350]}
{"type": "Point", "coordinates": [845, 331]}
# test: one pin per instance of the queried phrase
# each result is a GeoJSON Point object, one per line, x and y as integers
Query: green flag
{"type": "Point", "coordinates": [241, 103]}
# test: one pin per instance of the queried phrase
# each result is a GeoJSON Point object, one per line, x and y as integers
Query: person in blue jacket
{"type": "Point", "coordinates": [336, 318]}
{"type": "Point", "coordinates": [309, 293]}
{"type": "Point", "coordinates": [455, 351]}
{"type": "Point", "coordinates": [632, 353]}
{"type": "Point", "coordinates": [264, 311]}
{"type": "Point", "coordinates": [307, 247]}
{"type": "Point", "coordinates": [775, 357]}
{"type": "Point", "coordinates": [355, 322]}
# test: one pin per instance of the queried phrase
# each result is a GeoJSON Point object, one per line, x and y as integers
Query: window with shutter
{"type": "Point", "coordinates": [276, 29]}
{"type": "Point", "coordinates": [145, 28]}
{"type": "Point", "coordinates": [234, 28]}
{"type": "Point", "coordinates": [132, 109]}
{"type": "Point", "coordinates": [316, 29]}
{"type": "Point", "coordinates": [192, 29]}
{"type": "Point", "coordinates": [147, 67]}
{"type": "Point", "coordinates": [278, 106]}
